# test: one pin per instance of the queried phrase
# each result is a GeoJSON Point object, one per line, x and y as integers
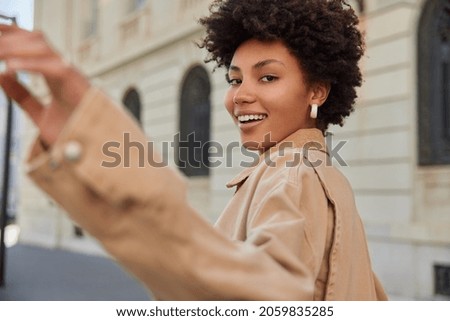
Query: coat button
{"type": "Point", "coordinates": [72, 151]}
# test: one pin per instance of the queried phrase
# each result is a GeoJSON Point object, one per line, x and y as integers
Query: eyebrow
{"type": "Point", "coordinates": [259, 64]}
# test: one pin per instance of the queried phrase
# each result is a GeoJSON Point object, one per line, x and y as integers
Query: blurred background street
{"type": "Point", "coordinates": [39, 274]}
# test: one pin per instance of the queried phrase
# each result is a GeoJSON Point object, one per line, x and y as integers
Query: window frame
{"type": "Point", "coordinates": [433, 85]}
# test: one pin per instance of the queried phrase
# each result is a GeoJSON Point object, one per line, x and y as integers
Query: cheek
{"type": "Point", "coordinates": [287, 107]}
{"type": "Point", "coordinates": [291, 101]}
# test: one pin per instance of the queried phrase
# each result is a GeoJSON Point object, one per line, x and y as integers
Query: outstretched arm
{"type": "Point", "coordinates": [140, 213]}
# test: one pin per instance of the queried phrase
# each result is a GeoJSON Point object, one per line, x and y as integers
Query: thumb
{"type": "Point", "coordinates": [16, 91]}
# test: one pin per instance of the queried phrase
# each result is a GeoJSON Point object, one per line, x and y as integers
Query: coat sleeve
{"type": "Point", "coordinates": [106, 175]}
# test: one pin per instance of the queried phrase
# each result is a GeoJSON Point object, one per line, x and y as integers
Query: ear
{"type": "Point", "coordinates": [319, 93]}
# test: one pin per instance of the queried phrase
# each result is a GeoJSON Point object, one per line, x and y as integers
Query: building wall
{"type": "Point", "coordinates": [405, 207]}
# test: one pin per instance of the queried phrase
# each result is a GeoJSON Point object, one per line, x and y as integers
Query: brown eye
{"type": "Point", "coordinates": [268, 78]}
{"type": "Point", "coordinates": [234, 81]}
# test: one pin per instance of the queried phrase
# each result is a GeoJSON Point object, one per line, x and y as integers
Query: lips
{"type": "Point", "coordinates": [249, 120]}
{"type": "Point", "coordinates": [250, 117]}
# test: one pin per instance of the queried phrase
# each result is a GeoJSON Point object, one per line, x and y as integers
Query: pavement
{"type": "Point", "coordinates": [40, 274]}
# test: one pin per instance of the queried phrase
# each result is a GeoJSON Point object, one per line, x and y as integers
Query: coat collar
{"type": "Point", "coordinates": [299, 139]}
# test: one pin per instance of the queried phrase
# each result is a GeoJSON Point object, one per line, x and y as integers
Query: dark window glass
{"type": "Point", "coordinates": [434, 83]}
{"type": "Point", "coordinates": [133, 102]}
{"type": "Point", "coordinates": [194, 124]}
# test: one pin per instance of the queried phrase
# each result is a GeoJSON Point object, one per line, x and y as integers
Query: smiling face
{"type": "Point", "coordinates": [268, 94]}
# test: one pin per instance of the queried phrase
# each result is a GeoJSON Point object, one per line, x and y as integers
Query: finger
{"type": "Point", "coordinates": [22, 96]}
{"type": "Point", "coordinates": [51, 68]}
{"type": "Point", "coordinates": [5, 28]}
{"type": "Point", "coordinates": [23, 44]}
{"type": "Point", "coordinates": [22, 47]}
{"type": "Point", "coordinates": [66, 83]}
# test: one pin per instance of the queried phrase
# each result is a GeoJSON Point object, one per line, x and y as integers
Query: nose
{"type": "Point", "coordinates": [243, 94]}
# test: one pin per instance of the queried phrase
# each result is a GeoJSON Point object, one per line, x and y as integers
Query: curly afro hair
{"type": "Point", "coordinates": [322, 34]}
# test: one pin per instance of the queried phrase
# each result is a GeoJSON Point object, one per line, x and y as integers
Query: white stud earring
{"type": "Point", "coordinates": [314, 110]}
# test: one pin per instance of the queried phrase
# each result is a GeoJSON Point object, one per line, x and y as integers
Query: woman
{"type": "Point", "coordinates": [291, 231]}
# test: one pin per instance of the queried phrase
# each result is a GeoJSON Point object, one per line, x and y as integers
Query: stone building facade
{"type": "Point", "coordinates": [143, 54]}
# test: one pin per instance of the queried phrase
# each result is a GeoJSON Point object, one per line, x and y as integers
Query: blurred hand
{"type": "Point", "coordinates": [24, 50]}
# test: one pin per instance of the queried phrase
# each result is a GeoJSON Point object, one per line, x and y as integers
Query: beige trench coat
{"type": "Point", "coordinates": [291, 232]}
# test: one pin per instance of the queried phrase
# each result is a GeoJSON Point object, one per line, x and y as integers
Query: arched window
{"type": "Point", "coordinates": [132, 101]}
{"type": "Point", "coordinates": [434, 83]}
{"type": "Point", "coordinates": [194, 123]}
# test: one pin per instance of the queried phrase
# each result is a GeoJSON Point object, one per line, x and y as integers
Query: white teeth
{"type": "Point", "coordinates": [245, 118]}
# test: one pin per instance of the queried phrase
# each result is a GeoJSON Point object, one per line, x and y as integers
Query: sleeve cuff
{"type": "Point", "coordinates": [40, 154]}
{"type": "Point", "coordinates": [98, 132]}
